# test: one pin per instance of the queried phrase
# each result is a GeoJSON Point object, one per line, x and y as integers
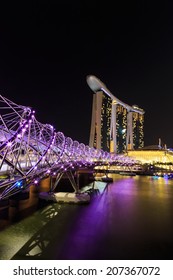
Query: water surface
{"type": "Point", "coordinates": [131, 218]}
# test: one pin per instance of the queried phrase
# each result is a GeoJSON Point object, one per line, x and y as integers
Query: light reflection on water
{"type": "Point", "coordinates": [131, 218]}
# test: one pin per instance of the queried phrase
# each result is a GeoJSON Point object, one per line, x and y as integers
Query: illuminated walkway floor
{"type": "Point", "coordinates": [132, 218]}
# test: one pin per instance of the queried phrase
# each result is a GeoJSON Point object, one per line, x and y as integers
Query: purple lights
{"type": "Point", "coordinates": [31, 150]}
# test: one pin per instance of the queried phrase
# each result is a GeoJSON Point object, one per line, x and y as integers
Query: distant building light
{"type": "Point", "coordinates": [135, 106]}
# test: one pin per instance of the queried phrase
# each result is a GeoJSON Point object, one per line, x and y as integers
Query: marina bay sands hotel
{"type": "Point", "coordinates": [115, 126]}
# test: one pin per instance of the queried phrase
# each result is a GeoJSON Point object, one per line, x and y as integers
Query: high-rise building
{"type": "Point", "coordinates": [115, 126]}
{"type": "Point", "coordinates": [138, 130]}
{"type": "Point", "coordinates": [121, 131]}
{"type": "Point", "coordinates": [105, 122]}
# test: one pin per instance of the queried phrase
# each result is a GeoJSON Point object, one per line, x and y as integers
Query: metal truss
{"type": "Point", "coordinates": [31, 151]}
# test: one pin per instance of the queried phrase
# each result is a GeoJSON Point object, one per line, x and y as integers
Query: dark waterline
{"type": "Point", "coordinates": [131, 218]}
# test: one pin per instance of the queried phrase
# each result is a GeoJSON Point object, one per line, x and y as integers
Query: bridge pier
{"type": "Point", "coordinates": [67, 187]}
{"type": "Point", "coordinates": [77, 180]}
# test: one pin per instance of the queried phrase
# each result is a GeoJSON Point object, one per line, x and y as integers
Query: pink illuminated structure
{"type": "Point", "coordinates": [31, 151]}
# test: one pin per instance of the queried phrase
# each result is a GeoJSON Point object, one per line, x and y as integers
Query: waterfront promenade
{"type": "Point", "coordinates": [131, 218]}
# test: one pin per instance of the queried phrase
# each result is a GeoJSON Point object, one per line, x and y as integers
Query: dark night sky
{"type": "Point", "coordinates": [47, 50]}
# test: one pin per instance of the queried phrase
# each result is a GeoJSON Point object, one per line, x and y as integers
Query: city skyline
{"type": "Point", "coordinates": [46, 53]}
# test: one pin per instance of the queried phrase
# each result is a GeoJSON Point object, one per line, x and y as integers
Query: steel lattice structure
{"type": "Point", "coordinates": [31, 151]}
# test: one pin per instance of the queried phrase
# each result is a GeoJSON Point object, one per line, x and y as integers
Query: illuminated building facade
{"type": "Point", "coordinates": [121, 131]}
{"type": "Point", "coordinates": [152, 155]}
{"type": "Point", "coordinates": [138, 130]}
{"type": "Point", "coordinates": [115, 126]}
{"type": "Point", "coordinates": [105, 122]}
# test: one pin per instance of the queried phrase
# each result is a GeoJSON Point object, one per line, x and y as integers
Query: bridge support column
{"type": "Point", "coordinates": [62, 196]}
{"type": "Point", "coordinates": [73, 182]}
{"type": "Point", "coordinates": [69, 175]}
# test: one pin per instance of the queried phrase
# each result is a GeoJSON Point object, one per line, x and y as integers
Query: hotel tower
{"type": "Point", "coordinates": [115, 126]}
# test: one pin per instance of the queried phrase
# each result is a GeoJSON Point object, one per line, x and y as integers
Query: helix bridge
{"type": "Point", "coordinates": [31, 151]}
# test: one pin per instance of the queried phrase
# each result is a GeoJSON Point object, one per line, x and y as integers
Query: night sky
{"type": "Point", "coordinates": [47, 49]}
